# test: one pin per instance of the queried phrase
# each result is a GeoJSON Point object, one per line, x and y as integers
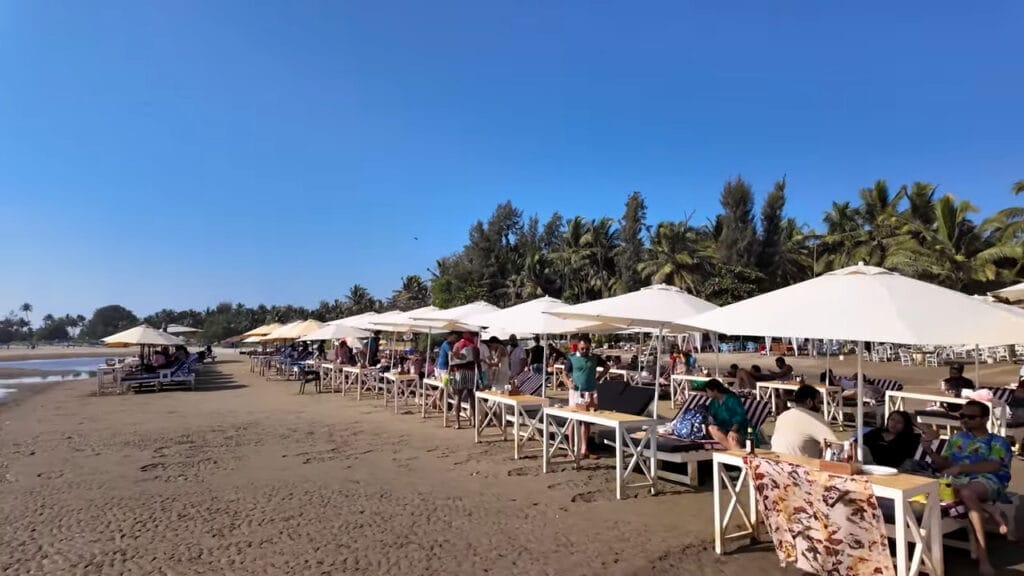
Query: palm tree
{"type": "Point", "coordinates": [678, 254]}
{"type": "Point", "coordinates": [601, 241]}
{"type": "Point", "coordinates": [570, 260]}
{"type": "Point", "coordinates": [25, 309]}
{"type": "Point", "coordinates": [1018, 188]}
{"type": "Point", "coordinates": [360, 300]}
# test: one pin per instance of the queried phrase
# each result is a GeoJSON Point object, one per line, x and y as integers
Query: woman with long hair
{"type": "Point", "coordinates": [728, 425]}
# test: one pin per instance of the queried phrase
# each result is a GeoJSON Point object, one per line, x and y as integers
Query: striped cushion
{"type": "Point", "coordinates": [529, 383]}
{"type": "Point", "coordinates": [887, 385]}
{"type": "Point", "coordinates": [757, 410]}
{"type": "Point", "coordinates": [1002, 394]}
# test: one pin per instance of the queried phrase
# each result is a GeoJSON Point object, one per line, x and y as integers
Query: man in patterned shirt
{"type": "Point", "coordinates": [979, 463]}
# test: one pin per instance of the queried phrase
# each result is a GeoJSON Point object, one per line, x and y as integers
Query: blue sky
{"type": "Point", "coordinates": [176, 154]}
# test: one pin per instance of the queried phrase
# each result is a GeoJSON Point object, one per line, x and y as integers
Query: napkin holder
{"type": "Point", "coordinates": [841, 468]}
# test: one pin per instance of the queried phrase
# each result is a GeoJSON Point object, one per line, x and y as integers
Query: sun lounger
{"type": "Point", "coordinates": [871, 408]}
{"type": "Point", "coordinates": [691, 452]}
{"type": "Point", "coordinates": [181, 373]}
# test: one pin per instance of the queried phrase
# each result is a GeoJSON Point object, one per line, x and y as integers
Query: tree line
{"type": "Point", "coordinates": [916, 230]}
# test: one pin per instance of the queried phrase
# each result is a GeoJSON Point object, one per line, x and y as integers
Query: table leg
{"type": "Point", "coordinates": [901, 538]}
{"type": "Point", "coordinates": [652, 435]}
{"type": "Point", "coordinates": [515, 432]}
{"type": "Point", "coordinates": [479, 420]}
{"type": "Point", "coordinates": [619, 431]}
{"type": "Point", "coordinates": [544, 443]}
{"type": "Point", "coordinates": [717, 490]}
{"type": "Point", "coordinates": [933, 520]}
{"type": "Point", "coordinates": [504, 426]}
{"type": "Point", "coordinates": [444, 407]}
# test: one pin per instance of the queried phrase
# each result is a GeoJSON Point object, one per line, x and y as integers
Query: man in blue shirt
{"type": "Point", "coordinates": [441, 365]}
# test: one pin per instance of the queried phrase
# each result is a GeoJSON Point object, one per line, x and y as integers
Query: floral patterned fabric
{"type": "Point", "coordinates": [823, 523]}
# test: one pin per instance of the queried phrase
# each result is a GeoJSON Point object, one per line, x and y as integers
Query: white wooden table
{"type": "Point", "coordinates": [435, 393]}
{"type": "Point", "coordinates": [492, 409]}
{"type": "Point", "coordinates": [365, 380]}
{"type": "Point", "coordinates": [679, 384]}
{"type": "Point", "coordinates": [832, 397]}
{"type": "Point", "coordinates": [402, 387]}
{"type": "Point", "coordinates": [330, 375]}
{"type": "Point", "coordinates": [555, 437]}
{"type": "Point", "coordinates": [894, 400]}
{"type": "Point", "coordinates": [925, 538]}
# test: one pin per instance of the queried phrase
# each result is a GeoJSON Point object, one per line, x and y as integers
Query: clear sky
{"type": "Point", "coordinates": [176, 154]}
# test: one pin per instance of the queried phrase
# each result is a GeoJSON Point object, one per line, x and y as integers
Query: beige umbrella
{"type": "Point", "coordinates": [141, 335]}
{"type": "Point", "coordinates": [1012, 295]}
{"type": "Point", "coordinates": [262, 330]}
{"type": "Point", "coordinates": [179, 329]}
{"type": "Point", "coordinates": [299, 329]}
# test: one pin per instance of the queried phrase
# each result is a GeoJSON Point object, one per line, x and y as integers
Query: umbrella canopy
{"type": "Point", "coordinates": [458, 317]}
{"type": "Point", "coordinates": [300, 329]}
{"type": "Point", "coordinates": [531, 318]}
{"type": "Point", "coordinates": [353, 320]}
{"type": "Point", "coordinates": [179, 329]}
{"type": "Point", "coordinates": [252, 340]}
{"type": "Point", "coordinates": [336, 332]}
{"type": "Point", "coordinates": [279, 333]}
{"type": "Point", "coordinates": [406, 322]}
{"type": "Point", "coordinates": [660, 307]}
{"type": "Point", "coordinates": [263, 330]}
{"type": "Point", "coordinates": [864, 303]}
{"type": "Point", "coordinates": [1013, 294]}
{"type": "Point", "coordinates": [141, 335]}
{"type": "Point", "coordinates": [369, 321]}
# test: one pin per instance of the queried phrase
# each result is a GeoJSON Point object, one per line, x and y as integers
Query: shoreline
{"type": "Point", "coordinates": [22, 354]}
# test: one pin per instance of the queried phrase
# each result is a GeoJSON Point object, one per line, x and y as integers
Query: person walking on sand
{"type": "Point", "coordinates": [582, 366]}
{"type": "Point", "coordinates": [462, 375]}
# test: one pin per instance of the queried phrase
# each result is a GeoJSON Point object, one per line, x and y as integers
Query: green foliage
{"type": "Point", "coordinates": [109, 320]}
{"type": "Point", "coordinates": [737, 243]}
{"type": "Point", "coordinates": [508, 260]}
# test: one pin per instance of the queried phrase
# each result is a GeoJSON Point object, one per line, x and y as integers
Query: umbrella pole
{"type": "Point", "coordinates": [714, 341]}
{"type": "Point", "coordinates": [860, 401]}
{"type": "Point", "coordinates": [977, 370]}
{"type": "Point", "coordinates": [657, 371]}
{"type": "Point", "coordinates": [544, 370]}
{"type": "Point", "coordinates": [640, 359]}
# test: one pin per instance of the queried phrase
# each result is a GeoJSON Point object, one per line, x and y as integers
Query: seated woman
{"type": "Point", "coordinates": [728, 418]}
{"type": "Point", "coordinates": [895, 443]}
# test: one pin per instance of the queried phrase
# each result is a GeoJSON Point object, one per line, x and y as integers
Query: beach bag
{"type": "Point", "coordinates": [692, 424]}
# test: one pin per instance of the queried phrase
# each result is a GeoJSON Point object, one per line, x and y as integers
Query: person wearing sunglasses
{"type": "Point", "coordinates": [979, 464]}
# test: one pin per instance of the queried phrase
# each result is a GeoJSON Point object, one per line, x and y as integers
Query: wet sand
{"type": "Point", "coordinates": [244, 476]}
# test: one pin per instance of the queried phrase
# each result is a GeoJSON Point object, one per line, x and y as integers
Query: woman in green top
{"type": "Point", "coordinates": [728, 425]}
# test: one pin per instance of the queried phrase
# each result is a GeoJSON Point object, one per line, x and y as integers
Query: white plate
{"type": "Point", "coordinates": [876, 470]}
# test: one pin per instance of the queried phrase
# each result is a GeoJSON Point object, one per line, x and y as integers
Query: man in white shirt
{"type": "Point", "coordinates": [800, 430]}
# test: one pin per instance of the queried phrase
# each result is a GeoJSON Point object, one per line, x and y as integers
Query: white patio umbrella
{"type": "Point", "coordinates": [532, 318]}
{"type": "Point", "coordinates": [861, 303]}
{"type": "Point", "coordinates": [336, 332]}
{"type": "Point", "coordinates": [1012, 294]}
{"type": "Point", "coordinates": [406, 322]}
{"type": "Point", "coordinates": [179, 329]}
{"type": "Point", "coordinates": [353, 320]}
{"type": "Point", "coordinates": [458, 316]}
{"type": "Point", "coordinates": [660, 307]}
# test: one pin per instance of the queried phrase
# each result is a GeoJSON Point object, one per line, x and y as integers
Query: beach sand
{"type": "Point", "coordinates": [244, 476]}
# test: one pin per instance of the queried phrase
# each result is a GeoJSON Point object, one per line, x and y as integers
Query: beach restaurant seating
{"type": "Point", "coordinates": [874, 408]}
{"type": "Point", "coordinates": [954, 513]}
{"type": "Point", "coordinates": [690, 453]}
{"type": "Point", "coordinates": [183, 372]}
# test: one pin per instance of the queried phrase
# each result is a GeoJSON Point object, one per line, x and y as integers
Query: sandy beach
{"type": "Point", "coordinates": [244, 476]}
